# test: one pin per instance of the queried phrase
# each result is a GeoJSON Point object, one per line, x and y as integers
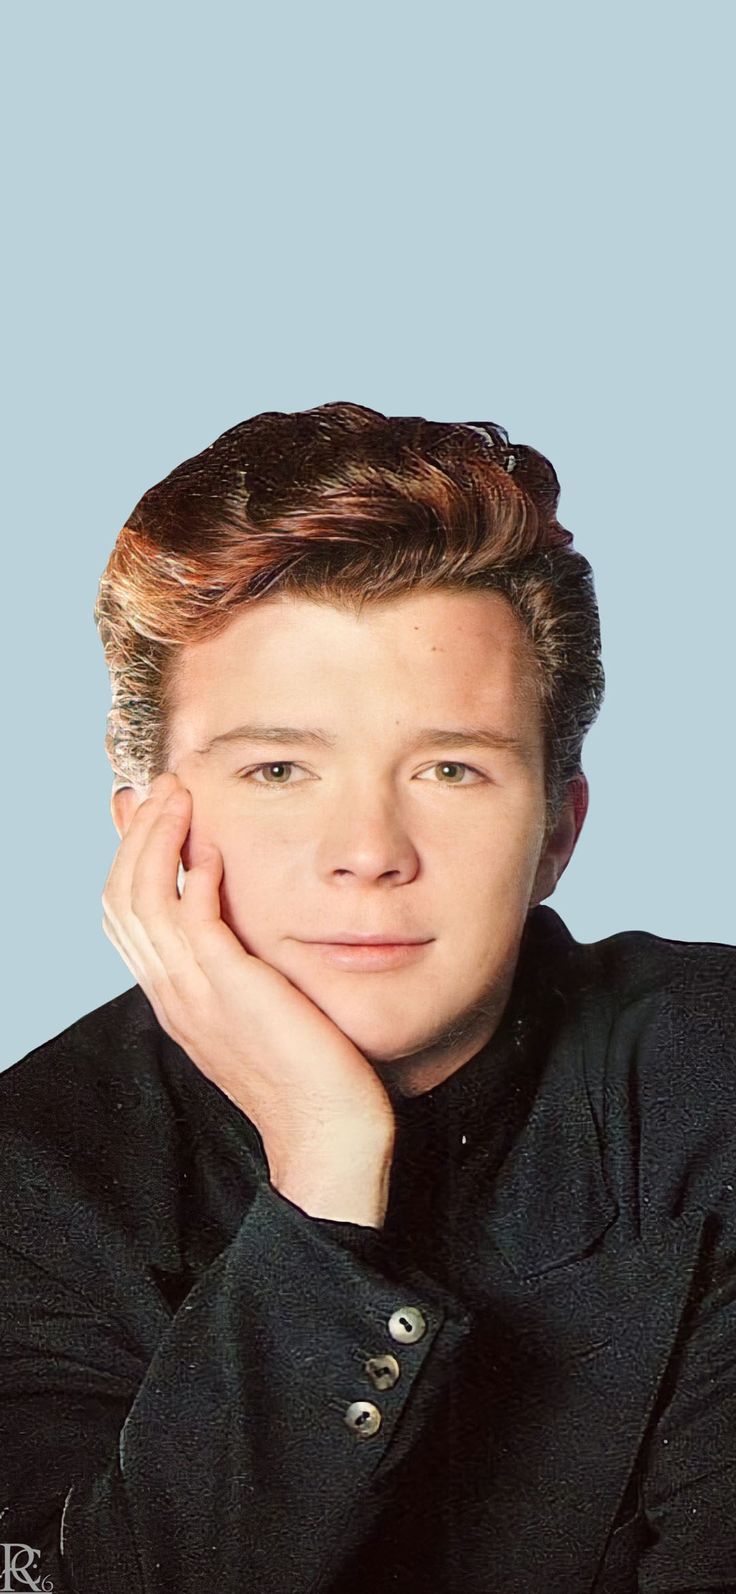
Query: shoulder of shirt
{"type": "Point", "coordinates": [113, 1097]}
{"type": "Point", "coordinates": [638, 981]}
{"type": "Point", "coordinates": [653, 1023]}
{"type": "Point", "coordinates": [105, 1056]}
{"type": "Point", "coordinates": [114, 1058]}
{"type": "Point", "coordinates": [123, 1029]}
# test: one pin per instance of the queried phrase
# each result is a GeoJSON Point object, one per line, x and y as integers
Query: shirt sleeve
{"type": "Point", "coordinates": [242, 1457]}
{"type": "Point", "coordinates": [359, 1238]}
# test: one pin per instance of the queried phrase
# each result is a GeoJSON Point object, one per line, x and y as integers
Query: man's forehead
{"type": "Point", "coordinates": [303, 692]}
{"type": "Point", "coordinates": [412, 628]}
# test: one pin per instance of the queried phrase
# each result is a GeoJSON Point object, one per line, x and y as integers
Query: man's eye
{"type": "Point", "coordinates": [453, 765]}
{"type": "Point", "coordinates": [279, 766]}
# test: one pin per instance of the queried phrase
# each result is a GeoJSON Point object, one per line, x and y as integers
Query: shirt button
{"type": "Point", "coordinates": [383, 1371]}
{"type": "Point", "coordinates": [407, 1324]}
{"type": "Point", "coordinates": [363, 1419]}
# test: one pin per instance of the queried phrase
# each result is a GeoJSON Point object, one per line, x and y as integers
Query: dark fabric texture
{"type": "Point", "coordinates": [179, 1343]}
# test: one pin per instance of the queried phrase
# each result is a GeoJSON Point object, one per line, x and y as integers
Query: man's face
{"type": "Point", "coordinates": [391, 830]}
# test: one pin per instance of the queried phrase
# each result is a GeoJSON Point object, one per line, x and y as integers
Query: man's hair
{"type": "Point", "coordinates": [344, 505]}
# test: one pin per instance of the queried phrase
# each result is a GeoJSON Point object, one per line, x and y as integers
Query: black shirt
{"type": "Point", "coordinates": [182, 1349]}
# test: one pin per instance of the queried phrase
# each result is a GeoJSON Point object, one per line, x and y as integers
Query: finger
{"type": "Point", "coordinates": [141, 975]}
{"type": "Point", "coordinates": [200, 900]}
{"type": "Point", "coordinates": [156, 866]}
{"type": "Point", "coordinates": [218, 952]}
{"type": "Point", "coordinates": [117, 884]}
{"type": "Point", "coordinates": [119, 896]}
{"type": "Point", "coordinates": [159, 928]}
{"type": "Point", "coordinates": [200, 908]}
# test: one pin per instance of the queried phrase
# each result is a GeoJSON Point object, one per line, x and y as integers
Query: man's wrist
{"type": "Point", "coordinates": [347, 1182]}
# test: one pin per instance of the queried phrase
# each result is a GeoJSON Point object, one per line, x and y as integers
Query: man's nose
{"type": "Point", "coordinates": [366, 834]}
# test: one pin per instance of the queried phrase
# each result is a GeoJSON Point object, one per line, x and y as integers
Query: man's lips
{"type": "Point", "coordinates": [369, 957]}
{"type": "Point", "coordinates": [340, 939]}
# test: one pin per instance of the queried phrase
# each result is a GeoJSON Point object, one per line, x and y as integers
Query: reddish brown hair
{"type": "Point", "coordinates": [342, 504]}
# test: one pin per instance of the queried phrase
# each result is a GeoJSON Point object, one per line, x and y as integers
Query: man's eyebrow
{"type": "Point", "coordinates": [436, 736]}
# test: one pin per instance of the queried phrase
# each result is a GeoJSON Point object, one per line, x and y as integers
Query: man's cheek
{"type": "Point", "coordinates": [232, 902]}
{"type": "Point", "coordinates": [240, 908]}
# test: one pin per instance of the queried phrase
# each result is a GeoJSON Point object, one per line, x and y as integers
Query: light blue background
{"type": "Point", "coordinates": [519, 213]}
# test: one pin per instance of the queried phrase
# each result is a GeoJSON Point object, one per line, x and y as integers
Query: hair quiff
{"type": "Point", "coordinates": [343, 504]}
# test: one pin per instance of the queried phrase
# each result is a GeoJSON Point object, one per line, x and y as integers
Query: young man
{"type": "Point", "coordinates": [380, 1236]}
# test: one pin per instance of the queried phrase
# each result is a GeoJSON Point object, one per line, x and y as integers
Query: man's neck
{"type": "Point", "coordinates": [415, 1073]}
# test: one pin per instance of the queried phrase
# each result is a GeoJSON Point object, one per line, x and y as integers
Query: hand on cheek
{"type": "Point", "coordinates": [200, 849]}
{"type": "Point", "coordinates": [194, 846]}
{"type": "Point", "coordinates": [196, 850]}
{"type": "Point", "coordinates": [325, 1120]}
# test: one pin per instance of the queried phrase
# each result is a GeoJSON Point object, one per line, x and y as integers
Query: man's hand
{"type": "Point", "coordinates": [325, 1120]}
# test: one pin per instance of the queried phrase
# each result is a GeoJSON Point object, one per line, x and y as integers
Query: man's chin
{"type": "Point", "coordinates": [383, 1049]}
{"type": "Point", "coordinates": [404, 1048]}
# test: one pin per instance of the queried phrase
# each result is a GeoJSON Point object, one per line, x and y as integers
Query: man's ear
{"type": "Point", "coordinates": [123, 803]}
{"type": "Point", "coordinates": [562, 840]}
